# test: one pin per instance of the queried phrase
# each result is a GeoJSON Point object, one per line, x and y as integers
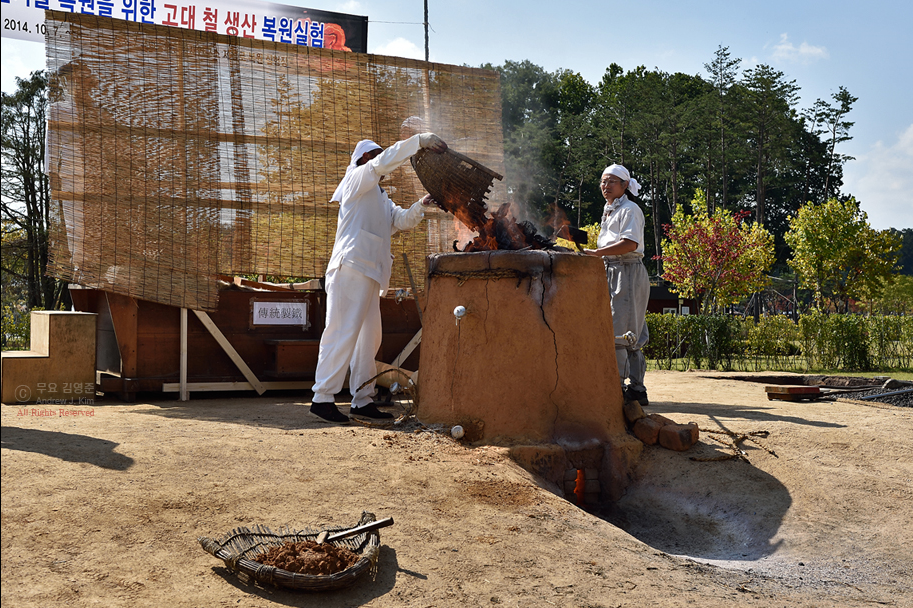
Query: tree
{"type": "Point", "coordinates": [532, 146]}
{"type": "Point", "coordinates": [577, 174]}
{"type": "Point", "coordinates": [723, 71]}
{"type": "Point", "coordinates": [25, 204]}
{"type": "Point", "coordinates": [716, 259]}
{"type": "Point", "coordinates": [896, 299]}
{"type": "Point", "coordinates": [906, 249]}
{"type": "Point", "coordinates": [768, 113]}
{"type": "Point", "coordinates": [838, 255]}
{"type": "Point", "coordinates": [615, 101]}
{"type": "Point", "coordinates": [838, 129]}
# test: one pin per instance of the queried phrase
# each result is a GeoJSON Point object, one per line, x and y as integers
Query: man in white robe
{"type": "Point", "coordinates": [359, 273]}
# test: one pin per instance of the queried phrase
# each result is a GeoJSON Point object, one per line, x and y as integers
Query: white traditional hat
{"type": "Point", "coordinates": [620, 172]}
{"type": "Point", "coordinates": [365, 145]}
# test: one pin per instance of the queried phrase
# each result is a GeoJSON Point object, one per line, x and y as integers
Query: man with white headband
{"type": "Point", "coordinates": [359, 273]}
{"type": "Point", "coordinates": [621, 245]}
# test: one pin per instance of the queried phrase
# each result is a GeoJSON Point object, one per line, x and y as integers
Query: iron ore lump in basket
{"type": "Point", "coordinates": [457, 183]}
{"type": "Point", "coordinates": [239, 547]}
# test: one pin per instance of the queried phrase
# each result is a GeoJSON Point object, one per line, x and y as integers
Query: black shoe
{"type": "Point", "coordinates": [328, 411]}
{"type": "Point", "coordinates": [369, 411]}
{"type": "Point", "coordinates": [638, 396]}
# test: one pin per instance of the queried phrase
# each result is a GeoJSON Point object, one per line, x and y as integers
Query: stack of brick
{"type": "Point", "coordinates": [589, 490]}
{"type": "Point", "coordinates": [655, 429]}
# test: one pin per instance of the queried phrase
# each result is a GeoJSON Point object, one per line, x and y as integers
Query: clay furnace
{"type": "Point", "coordinates": [530, 363]}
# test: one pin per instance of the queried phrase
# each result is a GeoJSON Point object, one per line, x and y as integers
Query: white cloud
{"type": "Point", "coordinates": [400, 47]}
{"type": "Point", "coordinates": [882, 181]}
{"type": "Point", "coordinates": [805, 53]}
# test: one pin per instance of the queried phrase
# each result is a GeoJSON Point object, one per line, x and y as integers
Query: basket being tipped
{"type": "Point", "coordinates": [457, 183]}
{"type": "Point", "coordinates": [239, 547]}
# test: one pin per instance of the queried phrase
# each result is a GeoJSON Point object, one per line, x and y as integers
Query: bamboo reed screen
{"type": "Point", "coordinates": [177, 155]}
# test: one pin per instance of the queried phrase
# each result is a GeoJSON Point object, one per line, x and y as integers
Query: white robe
{"type": "Point", "coordinates": [359, 273]}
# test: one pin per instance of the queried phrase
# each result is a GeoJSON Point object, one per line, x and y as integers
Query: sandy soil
{"type": "Point", "coordinates": [104, 508]}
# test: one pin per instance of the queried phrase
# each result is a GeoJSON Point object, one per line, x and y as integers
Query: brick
{"type": "Point", "coordinates": [591, 474]}
{"type": "Point", "coordinates": [662, 420]}
{"type": "Point", "coordinates": [633, 411]}
{"type": "Point", "coordinates": [678, 437]}
{"type": "Point", "coordinates": [647, 430]}
{"type": "Point", "coordinates": [591, 486]}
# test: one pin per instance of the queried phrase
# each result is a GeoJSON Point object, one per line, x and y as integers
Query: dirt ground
{"type": "Point", "coordinates": [105, 507]}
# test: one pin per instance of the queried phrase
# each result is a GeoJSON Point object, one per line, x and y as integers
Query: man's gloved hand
{"type": "Point", "coordinates": [432, 142]}
{"type": "Point", "coordinates": [427, 200]}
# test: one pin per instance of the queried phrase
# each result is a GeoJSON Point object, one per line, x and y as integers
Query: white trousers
{"type": "Point", "coordinates": [351, 338]}
{"type": "Point", "coordinates": [629, 284]}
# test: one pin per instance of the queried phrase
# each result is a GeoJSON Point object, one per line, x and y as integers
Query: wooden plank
{"type": "Point", "coordinates": [414, 342]}
{"type": "Point", "coordinates": [230, 351]}
{"type": "Point", "coordinates": [786, 389]}
{"type": "Point", "coordinates": [174, 387]}
{"type": "Point", "coordinates": [124, 318]}
{"type": "Point", "coordinates": [786, 392]}
{"type": "Point", "coordinates": [183, 374]}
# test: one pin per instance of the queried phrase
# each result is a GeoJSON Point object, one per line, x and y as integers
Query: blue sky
{"type": "Point", "coordinates": [865, 47]}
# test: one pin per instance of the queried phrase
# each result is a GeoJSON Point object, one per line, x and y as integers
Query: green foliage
{"type": "Point", "coordinates": [716, 259]}
{"type": "Point", "coordinates": [896, 299]}
{"type": "Point", "coordinates": [773, 340]}
{"type": "Point", "coordinates": [15, 333]}
{"type": "Point", "coordinates": [702, 341]}
{"type": "Point", "coordinates": [905, 261]}
{"type": "Point", "coordinates": [838, 255]}
{"type": "Point", "coordinates": [846, 343]}
{"type": "Point", "coordinates": [891, 341]}
{"type": "Point", "coordinates": [835, 341]}
{"type": "Point", "coordinates": [735, 134]}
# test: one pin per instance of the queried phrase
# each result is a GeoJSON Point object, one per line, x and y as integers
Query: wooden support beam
{"type": "Point", "coordinates": [184, 393]}
{"type": "Point", "coordinates": [123, 318]}
{"type": "Point", "coordinates": [414, 342]}
{"type": "Point", "coordinates": [201, 387]}
{"type": "Point", "coordinates": [230, 351]}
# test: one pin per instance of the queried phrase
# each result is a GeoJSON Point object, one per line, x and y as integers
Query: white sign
{"type": "Point", "coordinates": [24, 19]}
{"type": "Point", "coordinates": [280, 313]}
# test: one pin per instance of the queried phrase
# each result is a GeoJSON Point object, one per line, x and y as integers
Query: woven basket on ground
{"type": "Point", "coordinates": [238, 548]}
{"type": "Point", "coordinates": [457, 183]}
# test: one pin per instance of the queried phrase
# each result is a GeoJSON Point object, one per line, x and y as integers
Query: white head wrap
{"type": "Point", "coordinates": [623, 174]}
{"type": "Point", "coordinates": [365, 145]}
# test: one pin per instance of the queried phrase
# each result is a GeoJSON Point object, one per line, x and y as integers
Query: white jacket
{"type": "Point", "coordinates": [368, 218]}
{"type": "Point", "coordinates": [622, 219]}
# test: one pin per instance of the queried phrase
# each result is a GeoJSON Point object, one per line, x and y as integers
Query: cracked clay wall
{"type": "Point", "coordinates": [533, 359]}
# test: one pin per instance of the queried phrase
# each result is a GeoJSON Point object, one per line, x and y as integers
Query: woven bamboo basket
{"type": "Point", "coordinates": [457, 183]}
{"type": "Point", "coordinates": [238, 548]}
